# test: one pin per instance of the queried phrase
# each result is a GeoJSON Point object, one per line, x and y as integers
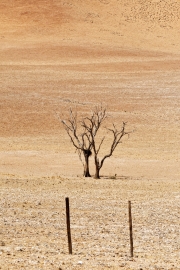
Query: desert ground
{"type": "Point", "coordinates": [60, 54]}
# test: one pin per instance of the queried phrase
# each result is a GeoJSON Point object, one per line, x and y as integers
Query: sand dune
{"type": "Point", "coordinates": [57, 54]}
{"type": "Point", "coordinates": [146, 25]}
{"type": "Point", "coordinates": [64, 53]}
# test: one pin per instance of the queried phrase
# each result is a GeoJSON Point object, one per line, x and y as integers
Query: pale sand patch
{"type": "Point", "coordinates": [33, 226]}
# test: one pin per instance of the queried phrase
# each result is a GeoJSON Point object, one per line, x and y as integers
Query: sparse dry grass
{"type": "Point", "coordinates": [33, 223]}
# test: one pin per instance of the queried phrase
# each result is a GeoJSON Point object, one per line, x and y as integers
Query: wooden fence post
{"type": "Point", "coordinates": [68, 226]}
{"type": "Point", "coordinates": [130, 229]}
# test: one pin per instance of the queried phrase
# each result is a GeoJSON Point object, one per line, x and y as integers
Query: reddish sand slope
{"type": "Point", "coordinates": [148, 25]}
{"type": "Point", "coordinates": [57, 54]}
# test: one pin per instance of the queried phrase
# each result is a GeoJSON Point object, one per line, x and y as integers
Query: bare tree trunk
{"type": "Point", "coordinates": [97, 176]}
{"type": "Point", "coordinates": [86, 166]}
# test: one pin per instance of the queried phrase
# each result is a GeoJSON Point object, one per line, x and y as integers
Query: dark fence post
{"type": "Point", "coordinates": [68, 226]}
{"type": "Point", "coordinates": [130, 229]}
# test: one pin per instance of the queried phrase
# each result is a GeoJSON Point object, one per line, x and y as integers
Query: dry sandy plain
{"type": "Point", "coordinates": [60, 54]}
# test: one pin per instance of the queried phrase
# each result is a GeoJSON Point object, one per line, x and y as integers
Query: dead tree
{"type": "Point", "coordinates": [92, 125]}
{"type": "Point", "coordinates": [81, 141]}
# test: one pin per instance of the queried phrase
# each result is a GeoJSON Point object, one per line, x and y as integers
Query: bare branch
{"type": "Point", "coordinates": [100, 145]}
{"type": "Point", "coordinates": [80, 138]}
{"type": "Point", "coordinates": [117, 136]}
{"type": "Point", "coordinates": [80, 157]}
